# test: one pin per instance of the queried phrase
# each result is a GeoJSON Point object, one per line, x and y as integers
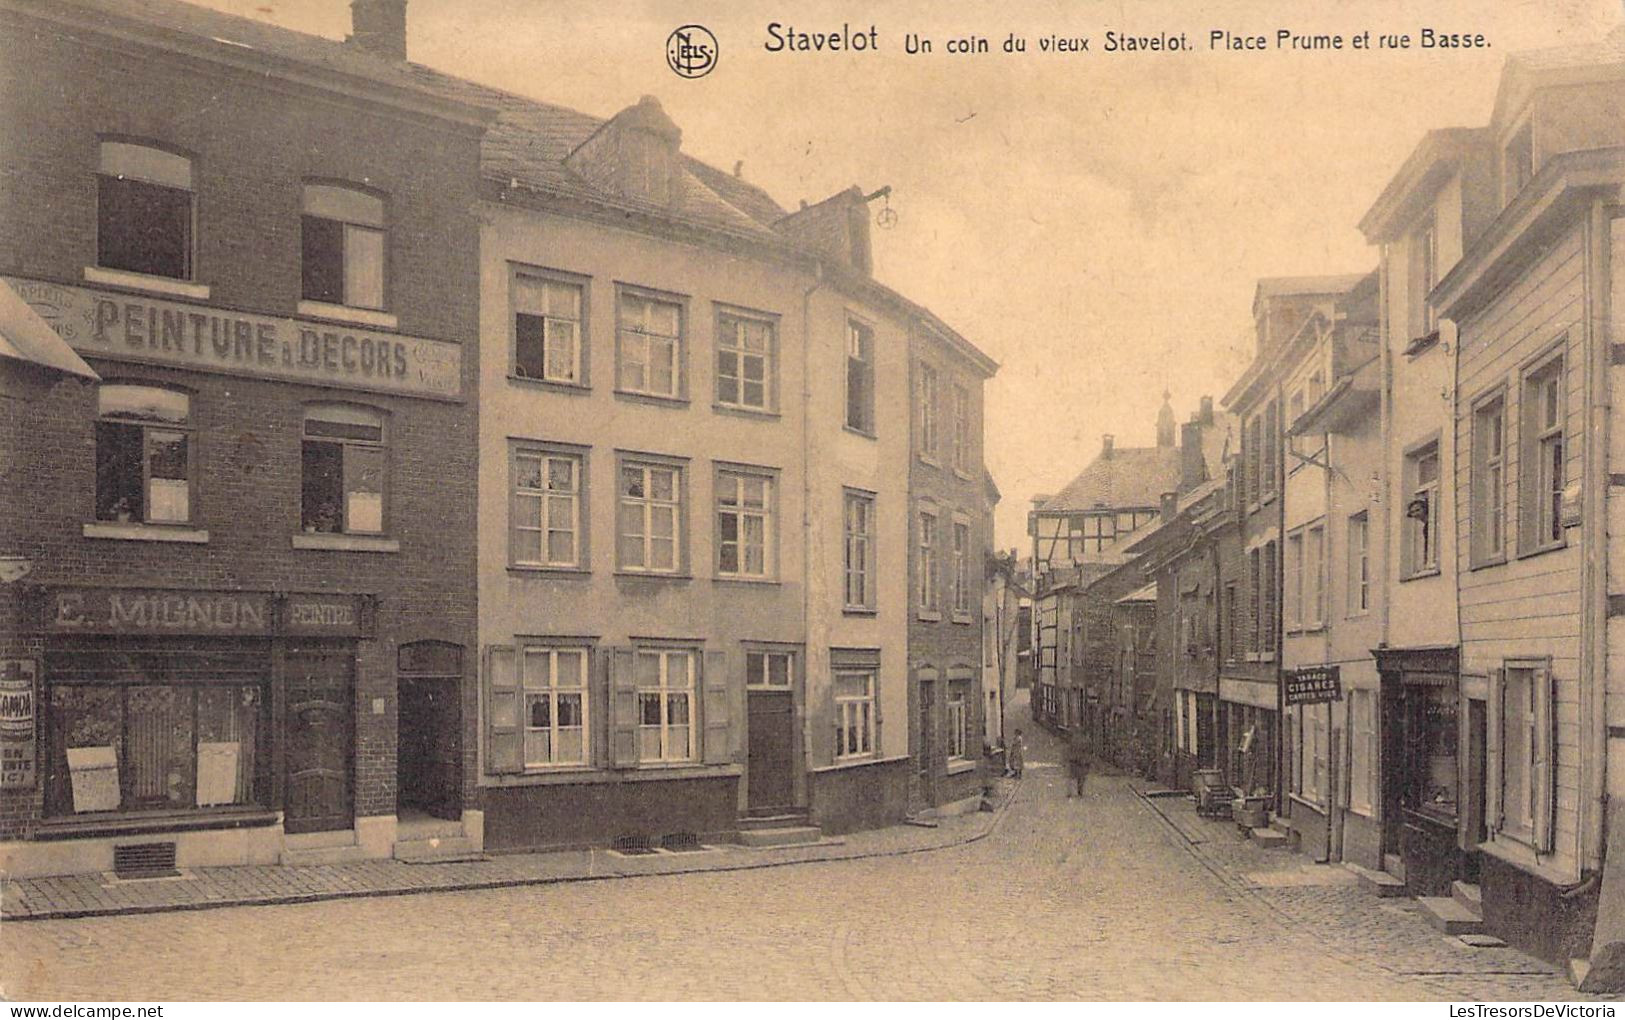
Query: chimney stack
{"type": "Point", "coordinates": [379, 27]}
{"type": "Point", "coordinates": [1206, 414]}
{"type": "Point", "coordinates": [1106, 445]}
{"type": "Point", "coordinates": [1170, 506]}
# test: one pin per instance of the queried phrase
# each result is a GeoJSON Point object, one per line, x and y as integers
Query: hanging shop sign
{"type": "Point", "coordinates": [183, 335]}
{"type": "Point", "coordinates": [1313, 686]}
{"type": "Point", "coordinates": [17, 714]}
{"type": "Point", "coordinates": [157, 611]}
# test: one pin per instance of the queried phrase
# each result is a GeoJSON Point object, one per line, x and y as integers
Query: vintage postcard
{"type": "Point", "coordinates": [513, 500]}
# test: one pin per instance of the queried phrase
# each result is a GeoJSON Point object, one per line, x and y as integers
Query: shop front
{"type": "Point", "coordinates": [1248, 736]}
{"type": "Point", "coordinates": [196, 726]}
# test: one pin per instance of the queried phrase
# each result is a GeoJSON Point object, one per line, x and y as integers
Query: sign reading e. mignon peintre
{"type": "Point", "coordinates": [161, 331]}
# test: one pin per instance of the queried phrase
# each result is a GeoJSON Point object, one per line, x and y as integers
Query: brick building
{"type": "Point", "coordinates": [247, 619]}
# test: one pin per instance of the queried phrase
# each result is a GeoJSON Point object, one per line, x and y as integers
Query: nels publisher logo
{"type": "Point", "coordinates": [691, 51]}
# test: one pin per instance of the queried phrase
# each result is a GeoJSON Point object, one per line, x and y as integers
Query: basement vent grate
{"type": "Point", "coordinates": [145, 860]}
{"type": "Point", "coordinates": [680, 842]}
{"type": "Point", "coordinates": [633, 845]}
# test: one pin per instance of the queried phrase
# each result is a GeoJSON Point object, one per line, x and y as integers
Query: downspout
{"type": "Point", "coordinates": [1594, 622]}
{"type": "Point", "coordinates": [1385, 416]}
{"type": "Point", "coordinates": [808, 716]}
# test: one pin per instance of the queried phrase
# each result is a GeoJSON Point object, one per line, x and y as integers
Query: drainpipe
{"type": "Point", "coordinates": [806, 505]}
{"type": "Point", "coordinates": [1385, 416]}
{"type": "Point", "coordinates": [1595, 566]}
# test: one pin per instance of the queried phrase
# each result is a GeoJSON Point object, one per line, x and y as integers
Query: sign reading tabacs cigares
{"type": "Point", "coordinates": [1312, 686]}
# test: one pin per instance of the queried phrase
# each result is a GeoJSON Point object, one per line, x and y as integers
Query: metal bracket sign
{"type": "Point", "coordinates": [18, 702]}
{"type": "Point", "coordinates": [1313, 686]}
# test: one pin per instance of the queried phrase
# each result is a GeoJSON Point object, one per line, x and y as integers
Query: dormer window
{"type": "Point", "coordinates": [342, 247]}
{"type": "Point", "coordinates": [144, 209]}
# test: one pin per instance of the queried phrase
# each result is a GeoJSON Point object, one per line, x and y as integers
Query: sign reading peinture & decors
{"type": "Point", "coordinates": [165, 332]}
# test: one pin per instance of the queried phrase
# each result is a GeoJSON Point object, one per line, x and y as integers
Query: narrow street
{"type": "Point", "coordinates": [1091, 899]}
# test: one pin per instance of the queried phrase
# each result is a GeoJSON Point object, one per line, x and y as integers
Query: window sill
{"type": "Point", "coordinates": [551, 385]}
{"type": "Point", "coordinates": [147, 533]}
{"type": "Point", "coordinates": [1313, 805]}
{"type": "Point", "coordinates": [1521, 855]}
{"type": "Point", "coordinates": [747, 582]}
{"type": "Point", "coordinates": [959, 766]}
{"type": "Point", "coordinates": [752, 413]}
{"type": "Point", "coordinates": [1417, 575]}
{"type": "Point", "coordinates": [653, 399]}
{"type": "Point", "coordinates": [963, 474]}
{"type": "Point", "coordinates": [545, 571]}
{"type": "Point", "coordinates": [1541, 550]}
{"type": "Point", "coordinates": [859, 611]}
{"type": "Point", "coordinates": [345, 543]}
{"type": "Point", "coordinates": [928, 616]}
{"type": "Point", "coordinates": [930, 462]}
{"type": "Point", "coordinates": [639, 575]}
{"type": "Point", "coordinates": [577, 776]}
{"type": "Point", "coordinates": [147, 282]}
{"type": "Point", "coordinates": [858, 761]}
{"type": "Point", "coordinates": [862, 433]}
{"type": "Point", "coordinates": [1493, 561]}
{"type": "Point", "coordinates": [345, 313]}
{"type": "Point", "coordinates": [964, 618]}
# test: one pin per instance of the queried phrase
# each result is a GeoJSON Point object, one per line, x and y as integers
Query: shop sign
{"type": "Point", "coordinates": [227, 614]}
{"type": "Point", "coordinates": [112, 325]}
{"type": "Point", "coordinates": [1313, 686]}
{"type": "Point", "coordinates": [17, 713]}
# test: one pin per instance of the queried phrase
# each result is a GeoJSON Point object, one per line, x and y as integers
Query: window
{"type": "Point", "coordinates": [1252, 484]}
{"type": "Point", "coordinates": [1421, 528]}
{"type": "Point", "coordinates": [962, 573]}
{"type": "Point", "coordinates": [1255, 576]}
{"type": "Point", "coordinates": [342, 247]}
{"type": "Point", "coordinates": [1517, 162]}
{"type": "Point", "coordinates": [854, 713]}
{"type": "Point", "coordinates": [747, 351]}
{"type": "Point", "coordinates": [548, 491]}
{"type": "Point", "coordinates": [1267, 601]}
{"type": "Point", "coordinates": [144, 211]}
{"type": "Point", "coordinates": [649, 520]}
{"type": "Point", "coordinates": [860, 377]}
{"type": "Point", "coordinates": [1292, 575]}
{"type": "Point", "coordinates": [930, 413]}
{"type": "Point", "coordinates": [1313, 721]}
{"type": "Point", "coordinates": [548, 330]}
{"type": "Point", "coordinates": [929, 582]}
{"type": "Point", "coordinates": [1271, 441]}
{"type": "Point", "coordinates": [140, 746]}
{"type": "Point", "coordinates": [665, 680]}
{"type": "Point", "coordinates": [1232, 621]}
{"type": "Point", "coordinates": [860, 579]}
{"type": "Point", "coordinates": [1314, 583]}
{"type": "Point", "coordinates": [1540, 507]}
{"type": "Point", "coordinates": [1523, 746]}
{"type": "Point", "coordinates": [651, 346]}
{"type": "Point", "coordinates": [959, 742]}
{"type": "Point", "coordinates": [555, 691]}
{"type": "Point", "coordinates": [745, 537]}
{"type": "Point", "coordinates": [1359, 564]}
{"type": "Point", "coordinates": [1431, 739]}
{"type": "Point", "coordinates": [1363, 750]}
{"type": "Point", "coordinates": [962, 430]}
{"type": "Point", "coordinates": [1488, 481]}
{"type": "Point", "coordinates": [769, 670]}
{"type": "Point", "coordinates": [1425, 259]}
{"type": "Point", "coordinates": [343, 469]}
{"type": "Point", "coordinates": [144, 455]}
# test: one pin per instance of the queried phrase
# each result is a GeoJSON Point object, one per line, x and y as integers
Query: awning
{"type": "Point", "coordinates": [26, 337]}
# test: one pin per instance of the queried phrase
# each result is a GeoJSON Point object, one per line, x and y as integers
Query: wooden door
{"type": "Point", "coordinates": [772, 733]}
{"type": "Point", "coordinates": [429, 746]}
{"type": "Point", "coordinates": [319, 733]}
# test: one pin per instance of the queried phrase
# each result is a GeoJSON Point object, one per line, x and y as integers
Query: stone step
{"type": "Point", "coordinates": [789, 819]}
{"type": "Point", "coordinates": [1468, 895]}
{"type": "Point", "coordinates": [1450, 917]}
{"type": "Point", "coordinates": [1269, 839]}
{"type": "Point", "coordinates": [1394, 865]}
{"type": "Point", "coordinates": [1379, 883]}
{"type": "Point", "coordinates": [435, 850]}
{"type": "Point", "coordinates": [790, 835]}
{"type": "Point", "coordinates": [309, 856]}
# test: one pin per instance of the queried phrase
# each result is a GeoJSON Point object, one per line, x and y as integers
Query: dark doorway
{"type": "Point", "coordinates": [772, 733]}
{"type": "Point", "coordinates": [429, 768]}
{"type": "Point", "coordinates": [320, 692]}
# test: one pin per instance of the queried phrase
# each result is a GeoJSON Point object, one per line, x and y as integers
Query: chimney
{"type": "Point", "coordinates": [379, 27]}
{"type": "Point", "coordinates": [1170, 506]}
{"type": "Point", "coordinates": [1205, 416]}
{"type": "Point", "coordinates": [1165, 421]}
{"type": "Point", "coordinates": [1106, 446]}
{"type": "Point", "coordinates": [1192, 463]}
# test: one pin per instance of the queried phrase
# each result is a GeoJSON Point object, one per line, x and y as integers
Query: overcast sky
{"type": "Point", "coordinates": [1094, 222]}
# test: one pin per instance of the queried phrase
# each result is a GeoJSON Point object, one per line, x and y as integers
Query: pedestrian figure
{"type": "Point", "coordinates": [1015, 755]}
{"type": "Point", "coordinates": [1077, 763]}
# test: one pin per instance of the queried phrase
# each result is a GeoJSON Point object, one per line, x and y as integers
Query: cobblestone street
{"type": "Point", "coordinates": [1098, 899]}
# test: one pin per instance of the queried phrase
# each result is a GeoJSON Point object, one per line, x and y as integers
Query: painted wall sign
{"type": "Point", "coordinates": [225, 613]}
{"type": "Point", "coordinates": [17, 714]}
{"type": "Point", "coordinates": [165, 332]}
{"type": "Point", "coordinates": [1313, 686]}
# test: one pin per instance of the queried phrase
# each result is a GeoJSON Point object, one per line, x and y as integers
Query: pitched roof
{"type": "Point", "coordinates": [1278, 286]}
{"type": "Point", "coordinates": [1133, 476]}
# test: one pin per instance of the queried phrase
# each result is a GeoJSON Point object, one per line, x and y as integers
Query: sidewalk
{"type": "Point", "coordinates": [1326, 900]}
{"type": "Point", "coordinates": [102, 894]}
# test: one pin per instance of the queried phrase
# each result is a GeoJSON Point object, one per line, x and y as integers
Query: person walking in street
{"type": "Point", "coordinates": [1015, 755]}
{"type": "Point", "coordinates": [1077, 762]}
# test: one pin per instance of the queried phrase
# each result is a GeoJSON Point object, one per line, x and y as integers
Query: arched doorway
{"type": "Point", "coordinates": [429, 748]}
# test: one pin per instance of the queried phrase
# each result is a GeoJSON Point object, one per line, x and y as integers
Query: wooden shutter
{"type": "Point", "coordinates": [1494, 817]}
{"type": "Point", "coordinates": [502, 711]}
{"type": "Point", "coordinates": [623, 708]}
{"type": "Point", "coordinates": [1543, 774]}
{"type": "Point", "coordinates": [715, 709]}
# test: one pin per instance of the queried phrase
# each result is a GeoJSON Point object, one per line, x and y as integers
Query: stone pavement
{"type": "Point", "coordinates": [104, 894]}
{"type": "Point", "coordinates": [1096, 898]}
